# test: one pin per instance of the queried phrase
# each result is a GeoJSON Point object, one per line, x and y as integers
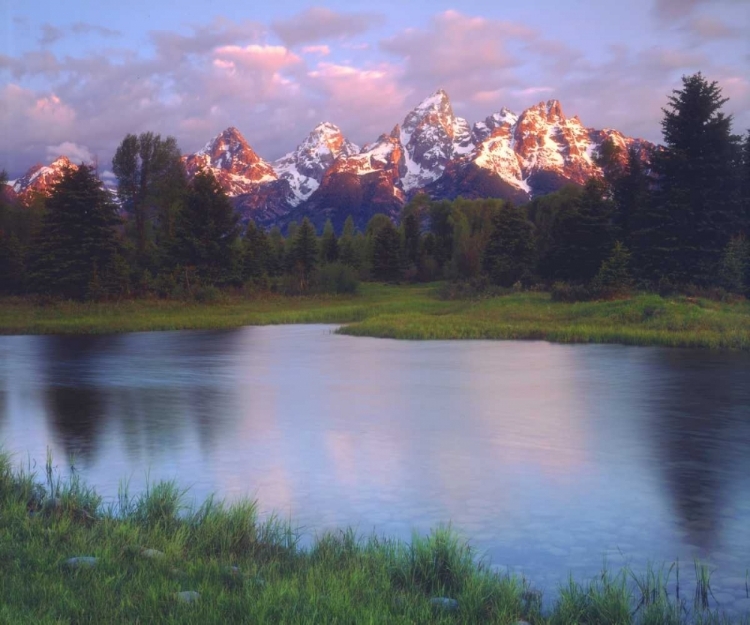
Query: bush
{"type": "Point", "coordinates": [566, 292]}
{"type": "Point", "coordinates": [336, 278]}
{"type": "Point", "coordinates": [207, 294]}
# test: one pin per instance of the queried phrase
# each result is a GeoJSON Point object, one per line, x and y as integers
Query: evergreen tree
{"type": "Point", "coordinates": [12, 264]}
{"type": "Point", "coordinates": [695, 207]}
{"type": "Point", "coordinates": [206, 230]}
{"type": "Point", "coordinates": [410, 225]}
{"type": "Point", "coordinates": [510, 253]}
{"type": "Point", "coordinates": [256, 255]}
{"type": "Point", "coordinates": [734, 269]}
{"type": "Point", "coordinates": [277, 252]}
{"type": "Point", "coordinates": [746, 184]}
{"type": "Point", "coordinates": [614, 275]}
{"type": "Point", "coordinates": [150, 178]}
{"type": "Point", "coordinates": [385, 253]}
{"type": "Point", "coordinates": [630, 196]}
{"type": "Point", "coordinates": [329, 245]}
{"type": "Point", "coordinates": [348, 253]}
{"type": "Point", "coordinates": [77, 243]}
{"type": "Point", "coordinates": [302, 258]}
{"type": "Point", "coordinates": [582, 234]}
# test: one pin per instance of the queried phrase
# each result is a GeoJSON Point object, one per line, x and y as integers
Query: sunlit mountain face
{"type": "Point", "coordinates": [506, 155]}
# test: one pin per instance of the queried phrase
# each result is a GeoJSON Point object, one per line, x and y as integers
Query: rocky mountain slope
{"type": "Point", "coordinates": [39, 179]}
{"type": "Point", "coordinates": [432, 150]}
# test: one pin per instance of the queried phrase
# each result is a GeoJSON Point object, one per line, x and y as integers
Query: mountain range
{"type": "Point", "coordinates": [507, 155]}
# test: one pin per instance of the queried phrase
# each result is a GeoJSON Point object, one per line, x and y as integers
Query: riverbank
{"type": "Point", "coordinates": [67, 556]}
{"type": "Point", "coordinates": [412, 312]}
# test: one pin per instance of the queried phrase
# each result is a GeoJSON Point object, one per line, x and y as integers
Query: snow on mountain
{"type": "Point", "coordinates": [41, 178]}
{"type": "Point", "coordinates": [431, 136]}
{"type": "Point", "coordinates": [303, 168]}
{"type": "Point", "coordinates": [233, 162]}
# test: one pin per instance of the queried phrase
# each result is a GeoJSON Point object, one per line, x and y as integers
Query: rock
{"type": "Point", "coordinates": [188, 596]}
{"type": "Point", "coordinates": [153, 554]}
{"type": "Point", "coordinates": [81, 562]}
{"type": "Point", "coordinates": [444, 603]}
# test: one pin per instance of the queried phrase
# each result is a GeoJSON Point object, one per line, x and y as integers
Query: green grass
{"type": "Point", "coordinates": [413, 312]}
{"type": "Point", "coordinates": [252, 571]}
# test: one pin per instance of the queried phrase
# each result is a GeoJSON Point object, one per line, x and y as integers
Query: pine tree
{"type": "Point", "coordinates": [410, 225]}
{"type": "Point", "coordinates": [630, 190]}
{"type": "Point", "coordinates": [385, 253]}
{"type": "Point", "coordinates": [256, 252]}
{"type": "Point", "coordinates": [329, 245]}
{"type": "Point", "coordinates": [277, 254]}
{"type": "Point", "coordinates": [614, 275]}
{"type": "Point", "coordinates": [12, 264]}
{"type": "Point", "coordinates": [77, 243]}
{"type": "Point", "coordinates": [582, 234]}
{"type": "Point", "coordinates": [347, 246]}
{"type": "Point", "coordinates": [746, 184]}
{"type": "Point", "coordinates": [695, 207]}
{"type": "Point", "coordinates": [206, 230]}
{"type": "Point", "coordinates": [302, 258]}
{"type": "Point", "coordinates": [734, 268]}
{"type": "Point", "coordinates": [510, 253]}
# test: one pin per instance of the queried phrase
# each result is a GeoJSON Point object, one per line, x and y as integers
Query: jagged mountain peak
{"type": "Point", "coordinates": [303, 168]}
{"type": "Point", "coordinates": [41, 178]}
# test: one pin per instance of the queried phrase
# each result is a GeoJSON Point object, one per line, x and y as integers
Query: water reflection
{"type": "Point", "coordinates": [549, 457]}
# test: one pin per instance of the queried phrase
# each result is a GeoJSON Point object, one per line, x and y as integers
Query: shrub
{"type": "Point", "coordinates": [336, 278]}
{"type": "Point", "coordinates": [566, 292]}
{"type": "Point", "coordinates": [207, 294]}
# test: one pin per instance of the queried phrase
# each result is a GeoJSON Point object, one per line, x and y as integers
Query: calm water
{"type": "Point", "coordinates": [551, 458]}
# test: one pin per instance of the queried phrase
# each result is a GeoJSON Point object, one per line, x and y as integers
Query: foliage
{"type": "Point", "coordinates": [734, 268]}
{"type": "Point", "coordinates": [386, 265]}
{"type": "Point", "coordinates": [302, 258]}
{"type": "Point", "coordinates": [206, 231]}
{"type": "Point", "coordinates": [329, 245]}
{"type": "Point", "coordinates": [510, 255]}
{"type": "Point", "coordinates": [336, 279]}
{"type": "Point", "coordinates": [77, 244]}
{"type": "Point", "coordinates": [614, 277]}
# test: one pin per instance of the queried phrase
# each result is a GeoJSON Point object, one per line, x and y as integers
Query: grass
{"type": "Point", "coordinates": [413, 312]}
{"type": "Point", "coordinates": [248, 570]}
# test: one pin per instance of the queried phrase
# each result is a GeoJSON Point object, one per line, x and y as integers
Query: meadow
{"type": "Point", "coordinates": [415, 312]}
{"type": "Point", "coordinates": [67, 556]}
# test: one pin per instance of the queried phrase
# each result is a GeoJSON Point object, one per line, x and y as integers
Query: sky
{"type": "Point", "coordinates": [76, 77]}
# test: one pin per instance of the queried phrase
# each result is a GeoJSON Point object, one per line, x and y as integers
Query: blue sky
{"type": "Point", "coordinates": [76, 77]}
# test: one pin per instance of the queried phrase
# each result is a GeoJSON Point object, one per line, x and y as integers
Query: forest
{"type": "Point", "coordinates": [673, 220]}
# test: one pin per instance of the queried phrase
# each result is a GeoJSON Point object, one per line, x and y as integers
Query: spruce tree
{"type": "Point", "coordinates": [614, 276]}
{"type": "Point", "coordinates": [329, 245]}
{"type": "Point", "coordinates": [347, 245]}
{"type": "Point", "coordinates": [206, 230]}
{"type": "Point", "coordinates": [509, 255]}
{"type": "Point", "coordinates": [582, 234]}
{"type": "Point", "coordinates": [695, 207]}
{"type": "Point", "coordinates": [302, 258]}
{"type": "Point", "coordinates": [256, 255]}
{"type": "Point", "coordinates": [77, 244]}
{"type": "Point", "coordinates": [630, 191]}
{"type": "Point", "coordinates": [410, 225]}
{"type": "Point", "coordinates": [386, 246]}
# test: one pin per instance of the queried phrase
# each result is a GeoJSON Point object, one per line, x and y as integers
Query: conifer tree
{"type": "Point", "coordinates": [410, 225]}
{"type": "Point", "coordinates": [329, 245]}
{"type": "Point", "coordinates": [206, 230]}
{"type": "Point", "coordinates": [614, 276]}
{"type": "Point", "coordinates": [695, 206]}
{"type": "Point", "coordinates": [509, 255]}
{"type": "Point", "coordinates": [348, 253]}
{"type": "Point", "coordinates": [77, 243]}
{"type": "Point", "coordinates": [385, 253]}
{"type": "Point", "coordinates": [256, 252]}
{"type": "Point", "coordinates": [302, 258]}
{"type": "Point", "coordinates": [277, 252]}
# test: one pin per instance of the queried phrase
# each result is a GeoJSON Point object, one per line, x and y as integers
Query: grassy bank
{"type": "Point", "coordinates": [413, 312]}
{"type": "Point", "coordinates": [231, 568]}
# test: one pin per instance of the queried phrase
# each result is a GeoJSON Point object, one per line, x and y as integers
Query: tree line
{"type": "Point", "coordinates": [674, 217]}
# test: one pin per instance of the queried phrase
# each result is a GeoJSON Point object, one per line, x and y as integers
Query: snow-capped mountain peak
{"type": "Point", "coordinates": [233, 162]}
{"type": "Point", "coordinates": [41, 178]}
{"type": "Point", "coordinates": [303, 168]}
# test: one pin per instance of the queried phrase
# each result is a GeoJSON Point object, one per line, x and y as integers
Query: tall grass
{"type": "Point", "coordinates": [413, 312]}
{"type": "Point", "coordinates": [250, 570]}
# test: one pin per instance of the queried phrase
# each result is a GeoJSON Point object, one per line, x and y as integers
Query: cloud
{"type": "Point", "coordinates": [76, 153]}
{"type": "Point", "coordinates": [318, 24]}
{"type": "Point", "coordinates": [321, 50]}
{"type": "Point", "coordinates": [674, 9]}
{"type": "Point", "coordinates": [50, 34]}
{"type": "Point", "coordinates": [466, 54]}
{"type": "Point", "coordinates": [705, 27]}
{"type": "Point", "coordinates": [84, 28]}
